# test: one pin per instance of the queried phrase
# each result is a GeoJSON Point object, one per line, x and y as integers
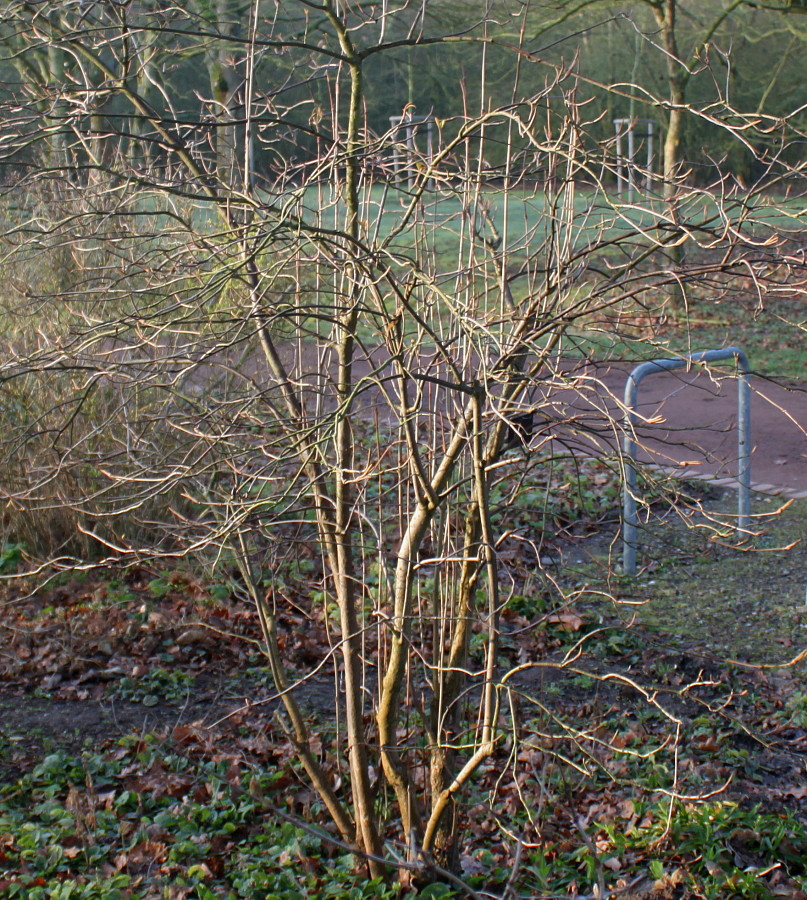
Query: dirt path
{"type": "Point", "coordinates": [695, 412]}
{"type": "Point", "coordinates": [31, 723]}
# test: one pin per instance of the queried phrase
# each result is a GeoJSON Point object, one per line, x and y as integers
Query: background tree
{"type": "Point", "coordinates": [692, 52]}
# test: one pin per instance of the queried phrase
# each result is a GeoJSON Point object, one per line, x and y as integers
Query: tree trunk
{"type": "Point", "coordinates": [671, 162]}
{"type": "Point", "coordinates": [226, 85]}
{"type": "Point", "coordinates": [348, 596]}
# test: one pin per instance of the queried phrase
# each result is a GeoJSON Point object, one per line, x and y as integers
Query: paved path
{"type": "Point", "coordinates": [694, 430]}
{"type": "Point", "coordinates": [695, 414]}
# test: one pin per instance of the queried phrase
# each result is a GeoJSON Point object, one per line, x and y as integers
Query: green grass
{"type": "Point", "coordinates": [438, 235]}
{"type": "Point", "coordinates": [526, 216]}
{"type": "Point", "coordinates": [772, 336]}
{"type": "Point", "coordinates": [700, 592]}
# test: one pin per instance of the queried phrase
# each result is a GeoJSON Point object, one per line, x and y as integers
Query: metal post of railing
{"type": "Point", "coordinates": [629, 498]}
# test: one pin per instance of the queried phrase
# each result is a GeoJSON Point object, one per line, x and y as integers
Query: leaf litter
{"type": "Point", "coordinates": [139, 735]}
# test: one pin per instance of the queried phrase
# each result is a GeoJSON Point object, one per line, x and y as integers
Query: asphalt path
{"type": "Point", "coordinates": [687, 419]}
{"type": "Point", "coordinates": [687, 422]}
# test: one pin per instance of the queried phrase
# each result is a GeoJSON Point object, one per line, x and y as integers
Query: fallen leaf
{"type": "Point", "coordinates": [798, 793]}
{"type": "Point", "coordinates": [567, 621]}
{"type": "Point", "coordinates": [196, 634]}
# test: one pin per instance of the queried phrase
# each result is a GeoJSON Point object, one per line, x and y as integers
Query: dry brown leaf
{"type": "Point", "coordinates": [797, 792]}
{"type": "Point", "coordinates": [568, 621]}
{"type": "Point", "coordinates": [196, 634]}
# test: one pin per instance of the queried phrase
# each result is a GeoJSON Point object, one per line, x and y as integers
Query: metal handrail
{"type": "Point", "coordinates": [629, 501]}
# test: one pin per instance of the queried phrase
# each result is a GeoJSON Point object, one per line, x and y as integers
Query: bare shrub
{"type": "Point", "coordinates": [258, 358]}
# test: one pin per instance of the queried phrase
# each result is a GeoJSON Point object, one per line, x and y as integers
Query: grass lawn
{"type": "Point", "coordinates": [528, 215]}
{"type": "Point", "coordinates": [437, 235]}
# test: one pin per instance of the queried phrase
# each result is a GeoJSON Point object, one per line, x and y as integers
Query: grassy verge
{"type": "Point", "coordinates": [700, 591]}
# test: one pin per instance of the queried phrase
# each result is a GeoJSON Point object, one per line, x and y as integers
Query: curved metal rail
{"type": "Point", "coordinates": [629, 499]}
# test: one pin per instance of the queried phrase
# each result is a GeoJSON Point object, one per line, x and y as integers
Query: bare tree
{"type": "Point", "coordinates": [317, 356]}
{"type": "Point", "coordinates": [692, 52]}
